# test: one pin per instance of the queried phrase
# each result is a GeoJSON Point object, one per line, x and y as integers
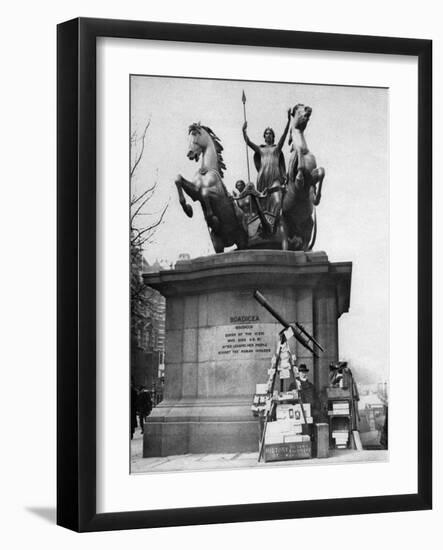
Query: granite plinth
{"type": "Point", "coordinates": [219, 341]}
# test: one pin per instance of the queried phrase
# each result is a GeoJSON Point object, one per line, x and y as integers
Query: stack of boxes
{"type": "Point", "coordinates": [340, 407]}
{"type": "Point", "coordinates": [288, 425]}
{"type": "Point", "coordinates": [282, 416]}
{"type": "Point", "coordinates": [340, 421]}
{"type": "Point", "coordinates": [341, 438]}
{"type": "Point", "coordinates": [259, 401]}
{"type": "Point", "coordinates": [286, 435]}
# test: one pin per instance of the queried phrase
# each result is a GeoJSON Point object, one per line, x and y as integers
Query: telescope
{"type": "Point", "coordinates": [300, 333]}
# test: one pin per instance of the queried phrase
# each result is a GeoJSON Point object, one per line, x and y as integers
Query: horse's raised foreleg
{"type": "Point", "coordinates": [190, 189]}
{"type": "Point", "coordinates": [318, 175]}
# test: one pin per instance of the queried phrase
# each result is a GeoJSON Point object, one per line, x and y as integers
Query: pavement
{"type": "Point", "coordinates": [229, 461]}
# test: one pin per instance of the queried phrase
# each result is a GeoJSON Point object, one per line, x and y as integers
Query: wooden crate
{"type": "Point", "coordinates": [321, 440]}
{"type": "Point", "coordinates": [338, 393]}
{"type": "Point", "coordinates": [287, 451]}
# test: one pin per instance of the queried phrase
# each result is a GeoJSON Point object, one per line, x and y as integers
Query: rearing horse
{"type": "Point", "coordinates": [225, 220]}
{"type": "Point", "coordinates": [304, 184]}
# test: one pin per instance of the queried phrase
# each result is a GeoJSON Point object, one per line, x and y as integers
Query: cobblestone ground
{"type": "Point", "coordinates": [231, 461]}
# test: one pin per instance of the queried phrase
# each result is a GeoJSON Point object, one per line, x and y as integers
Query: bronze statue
{"type": "Point", "coordinates": [225, 220]}
{"type": "Point", "coordinates": [270, 164]}
{"type": "Point", "coordinates": [248, 199]}
{"type": "Point", "coordinates": [243, 198]}
{"type": "Point", "coordinates": [279, 211]}
{"type": "Point", "coordinates": [304, 185]}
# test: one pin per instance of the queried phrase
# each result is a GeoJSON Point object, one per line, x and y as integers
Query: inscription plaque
{"type": "Point", "coordinates": [245, 337]}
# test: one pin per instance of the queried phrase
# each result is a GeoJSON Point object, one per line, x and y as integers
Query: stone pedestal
{"type": "Point", "coordinates": [219, 341]}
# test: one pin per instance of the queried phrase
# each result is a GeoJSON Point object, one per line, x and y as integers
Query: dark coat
{"type": "Point", "coordinates": [308, 394]}
{"type": "Point", "coordinates": [144, 403]}
{"type": "Point", "coordinates": [133, 409]}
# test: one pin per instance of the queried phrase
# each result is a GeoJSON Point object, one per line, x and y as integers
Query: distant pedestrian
{"type": "Point", "coordinates": [133, 405]}
{"type": "Point", "coordinates": [384, 430]}
{"type": "Point", "coordinates": [144, 406]}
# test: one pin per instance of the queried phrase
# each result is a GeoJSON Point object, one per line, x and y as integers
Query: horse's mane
{"type": "Point", "coordinates": [196, 127]}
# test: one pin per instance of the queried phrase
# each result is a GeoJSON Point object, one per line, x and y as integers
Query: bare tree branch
{"type": "Point", "coordinates": [146, 199]}
{"type": "Point", "coordinates": [144, 300]}
{"type": "Point", "coordinates": [135, 199]}
{"type": "Point", "coordinates": [138, 239]}
{"type": "Point", "coordinates": [140, 155]}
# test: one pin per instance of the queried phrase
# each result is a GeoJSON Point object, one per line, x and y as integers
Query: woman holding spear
{"type": "Point", "coordinates": [269, 162]}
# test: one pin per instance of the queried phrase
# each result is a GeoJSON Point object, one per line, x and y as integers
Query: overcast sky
{"type": "Point", "coordinates": [347, 133]}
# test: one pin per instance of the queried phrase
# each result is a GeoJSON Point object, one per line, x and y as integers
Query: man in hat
{"type": "Point", "coordinates": [306, 388]}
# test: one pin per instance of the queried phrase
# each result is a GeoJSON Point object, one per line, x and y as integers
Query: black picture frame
{"type": "Point", "coordinates": [77, 250]}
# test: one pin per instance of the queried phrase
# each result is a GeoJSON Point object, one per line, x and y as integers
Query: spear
{"type": "Point", "coordinates": [243, 98]}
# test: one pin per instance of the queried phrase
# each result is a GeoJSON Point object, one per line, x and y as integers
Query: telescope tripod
{"type": "Point", "coordinates": [271, 402]}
